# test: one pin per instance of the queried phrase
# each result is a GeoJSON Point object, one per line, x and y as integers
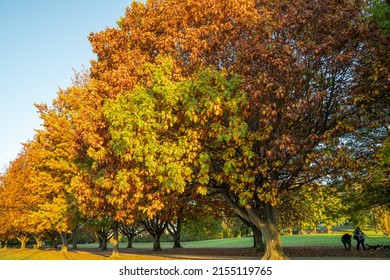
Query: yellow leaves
{"type": "Point", "coordinates": [152, 118]}
{"type": "Point", "coordinates": [217, 108]}
{"type": "Point", "coordinates": [152, 206]}
{"type": "Point", "coordinates": [202, 190]}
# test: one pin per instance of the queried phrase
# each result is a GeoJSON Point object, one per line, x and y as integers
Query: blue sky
{"type": "Point", "coordinates": [41, 42]}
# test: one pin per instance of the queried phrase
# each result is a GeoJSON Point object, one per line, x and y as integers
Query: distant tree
{"type": "Point", "coordinates": [52, 155]}
{"type": "Point", "coordinates": [102, 230]}
{"type": "Point", "coordinates": [156, 227]}
{"type": "Point", "coordinates": [5, 214]}
{"type": "Point", "coordinates": [301, 209]}
{"type": "Point", "coordinates": [18, 199]}
{"type": "Point", "coordinates": [206, 227]}
{"type": "Point", "coordinates": [366, 187]}
{"type": "Point", "coordinates": [380, 10]}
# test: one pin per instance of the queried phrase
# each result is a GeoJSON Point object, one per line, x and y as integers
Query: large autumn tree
{"type": "Point", "coordinates": [367, 190]}
{"type": "Point", "coordinates": [52, 156]}
{"type": "Point", "coordinates": [157, 149]}
{"type": "Point", "coordinates": [18, 199]}
{"type": "Point", "coordinates": [309, 71]}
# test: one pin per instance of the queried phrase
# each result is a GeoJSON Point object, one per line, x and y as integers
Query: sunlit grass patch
{"type": "Point", "coordinates": [31, 254]}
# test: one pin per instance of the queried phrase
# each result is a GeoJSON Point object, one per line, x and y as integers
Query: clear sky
{"type": "Point", "coordinates": [41, 42]}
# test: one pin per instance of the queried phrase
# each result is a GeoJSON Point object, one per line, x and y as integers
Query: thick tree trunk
{"type": "Point", "coordinates": [100, 243]}
{"type": "Point", "coordinates": [115, 239]}
{"type": "Point", "coordinates": [64, 241]}
{"type": "Point", "coordinates": [175, 231]}
{"type": "Point", "coordinates": [258, 240]}
{"type": "Point", "coordinates": [53, 240]}
{"type": "Point", "coordinates": [23, 240]}
{"type": "Point", "coordinates": [103, 245]}
{"type": "Point", "coordinates": [103, 236]}
{"type": "Point", "coordinates": [300, 231]}
{"type": "Point", "coordinates": [129, 242]}
{"type": "Point", "coordinates": [273, 244]}
{"type": "Point", "coordinates": [155, 228]}
{"type": "Point", "coordinates": [39, 244]}
{"type": "Point", "coordinates": [177, 241]}
{"type": "Point", "coordinates": [157, 242]}
{"type": "Point", "coordinates": [74, 239]}
{"type": "Point", "coordinates": [269, 229]}
{"type": "Point", "coordinates": [131, 231]}
{"type": "Point", "coordinates": [39, 241]}
{"type": "Point", "coordinates": [74, 244]}
{"type": "Point", "coordinates": [264, 219]}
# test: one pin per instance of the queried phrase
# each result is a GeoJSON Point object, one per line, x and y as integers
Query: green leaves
{"type": "Point", "coordinates": [147, 132]}
{"type": "Point", "coordinates": [163, 129]}
{"type": "Point", "coordinates": [380, 11]}
{"type": "Point", "coordinates": [252, 97]}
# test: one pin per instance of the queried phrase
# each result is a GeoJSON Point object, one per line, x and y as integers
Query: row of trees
{"type": "Point", "coordinates": [197, 104]}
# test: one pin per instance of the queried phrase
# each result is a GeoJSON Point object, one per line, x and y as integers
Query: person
{"type": "Point", "coordinates": [360, 238]}
{"type": "Point", "coordinates": [346, 239]}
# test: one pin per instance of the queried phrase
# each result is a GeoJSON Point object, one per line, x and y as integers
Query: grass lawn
{"type": "Point", "coordinates": [328, 240]}
{"type": "Point", "coordinates": [309, 240]}
{"type": "Point", "coordinates": [31, 254]}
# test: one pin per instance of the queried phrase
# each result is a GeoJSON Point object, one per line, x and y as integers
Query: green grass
{"type": "Point", "coordinates": [332, 239]}
{"type": "Point", "coordinates": [322, 239]}
{"type": "Point", "coordinates": [329, 240]}
{"type": "Point", "coordinates": [221, 243]}
{"type": "Point", "coordinates": [325, 240]}
{"type": "Point", "coordinates": [214, 243]}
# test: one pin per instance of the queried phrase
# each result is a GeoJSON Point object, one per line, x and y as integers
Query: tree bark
{"type": "Point", "coordinates": [175, 231]}
{"type": "Point", "coordinates": [115, 239]}
{"type": "Point", "coordinates": [300, 231]}
{"type": "Point", "coordinates": [23, 240]}
{"type": "Point", "coordinates": [264, 218]}
{"type": "Point", "coordinates": [103, 245]}
{"type": "Point", "coordinates": [129, 242]}
{"type": "Point", "coordinates": [155, 228]}
{"type": "Point", "coordinates": [131, 231]}
{"type": "Point", "coordinates": [258, 242]}
{"type": "Point", "coordinates": [65, 238]}
{"type": "Point", "coordinates": [269, 229]}
{"type": "Point", "coordinates": [157, 243]}
{"type": "Point", "coordinates": [74, 240]}
{"type": "Point", "coordinates": [177, 239]}
{"type": "Point", "coordinates": [103, 236]}
{"type": "Point", "coordinates": [53, 240]}
{"type": "Point", "coordinates": [39, 241]}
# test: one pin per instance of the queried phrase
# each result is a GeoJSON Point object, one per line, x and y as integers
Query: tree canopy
{"type": "Point", "coordinates": [253, 100]}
